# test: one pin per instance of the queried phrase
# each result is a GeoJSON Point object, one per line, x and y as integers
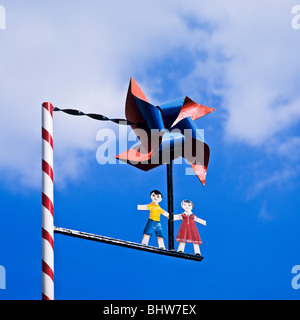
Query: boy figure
{"type": "Point", "coordinates": [154, 219]}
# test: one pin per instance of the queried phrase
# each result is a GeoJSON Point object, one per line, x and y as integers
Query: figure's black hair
{"type": "Point", "coordinates": [156, 192]}
{"type": "Point", "coordinates": [188, 201]}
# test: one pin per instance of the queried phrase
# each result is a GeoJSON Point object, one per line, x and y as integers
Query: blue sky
{"type": "Point", "coordinates": [240, 58]}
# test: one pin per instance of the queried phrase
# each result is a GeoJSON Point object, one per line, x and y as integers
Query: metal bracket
{"type": "Point", "coordinates": [127, 244]}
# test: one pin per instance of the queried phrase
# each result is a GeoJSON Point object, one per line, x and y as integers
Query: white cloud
{"type": "Point", "coordinates": [260, 67]}
{"type": "Point", "coordinates": [75, 55]}
{"type": "Point", "coordinates": [264, 213]}
{"type": "Point", "coordinates": [278, 178]}
{"type": "Point", "coordinates": [289, 149]}
{"type": "Point", "coordinates": [81, 55]}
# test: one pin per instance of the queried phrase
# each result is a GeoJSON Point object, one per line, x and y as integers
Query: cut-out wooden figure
{"type": "Point", "coordinates": [188, 231]}
{"type": "Point", "coordinates": [154, 219]}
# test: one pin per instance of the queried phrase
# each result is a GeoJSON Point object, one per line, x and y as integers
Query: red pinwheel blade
{"type": "Point", "coordinates": [200, 171]}
{"type": "Point", "coordinates": [200, 165]}
{"type": "Point", "coordinates": [193, 110]}
{"type": "Point", "coordinates": [139, 158]}
{"type": "Point", "coordinates": [135, 154]}
{"type": "Point", "coordinates": [133, 114]}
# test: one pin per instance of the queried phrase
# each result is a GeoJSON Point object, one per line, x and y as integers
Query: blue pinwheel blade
{"type": "Point", "coordinates": [188, 128]}
{"type": "Point", "coordinates": [171, 111]}
{"type": "Point", "coordinates": [151, 114]}
{"type": "Point", "coordinates": [171, 146]}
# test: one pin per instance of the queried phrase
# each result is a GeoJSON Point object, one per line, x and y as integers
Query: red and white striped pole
{"type": "Point", "coordinates": [47, 203]}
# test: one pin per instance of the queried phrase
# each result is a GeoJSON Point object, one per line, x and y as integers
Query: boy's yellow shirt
{"type": "Point", "coordinates": [155, 211]}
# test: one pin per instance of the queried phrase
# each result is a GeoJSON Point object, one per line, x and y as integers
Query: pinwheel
{"type": "Point", "coordinates": [166, 132]}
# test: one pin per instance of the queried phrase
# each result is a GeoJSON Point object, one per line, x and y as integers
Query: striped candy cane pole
{"type": "Point", "coordinates": [47, 203]}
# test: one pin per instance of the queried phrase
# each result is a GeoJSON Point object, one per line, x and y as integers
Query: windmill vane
{"type": "Point", "coordinates": [166, 132]}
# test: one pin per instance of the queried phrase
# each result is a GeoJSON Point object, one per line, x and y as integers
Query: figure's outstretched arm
{"type": "Point", "coordinates": [142, 207]}
{"type": "Point", "coordinates": [177, 217]}
{"type": "Point", "coordinates": [166, 214]}
{"type": "Point", "coordinates": [200, 221]}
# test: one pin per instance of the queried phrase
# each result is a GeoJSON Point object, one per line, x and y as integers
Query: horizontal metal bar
{"type": "Point", "coordinates": [127, 244]}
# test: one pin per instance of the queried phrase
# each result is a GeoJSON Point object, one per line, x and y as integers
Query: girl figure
{"type": "Point", "coordinates": [188, 231]}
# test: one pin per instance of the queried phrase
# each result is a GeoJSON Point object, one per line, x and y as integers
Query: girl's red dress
{"type": "Point", "coordinates": [188, 231]}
